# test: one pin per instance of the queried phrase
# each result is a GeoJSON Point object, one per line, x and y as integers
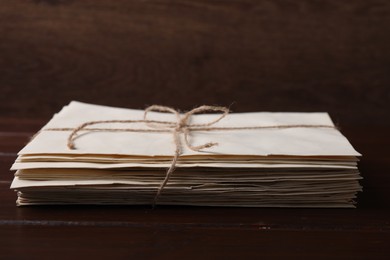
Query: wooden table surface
{"type": "Point", "coordinates": [200, 232]}
{"type": "Point", "coordinates": [256, 55]}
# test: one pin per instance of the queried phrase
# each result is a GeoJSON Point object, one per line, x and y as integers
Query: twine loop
{"type": "Point", "coordinates": [182, 125]}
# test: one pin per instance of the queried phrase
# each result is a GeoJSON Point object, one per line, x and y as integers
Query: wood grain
{"type": "Point", "coordinates": [278, 55]}
{"type": "Point", "coordinates": [195, 232]}
{"type": "Point", "coordinates": [255, 55]}
{"type": "Point", "coordinates": [191, 243]}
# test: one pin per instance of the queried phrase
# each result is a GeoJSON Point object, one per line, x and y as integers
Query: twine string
{"type": "Point", "coordinates": [182, 125]}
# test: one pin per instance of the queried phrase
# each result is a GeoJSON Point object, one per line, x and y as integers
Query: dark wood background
{"type": "Point", "coordinates": [264, 55]}
{"type": "Point", "coordinates": [259, 55]}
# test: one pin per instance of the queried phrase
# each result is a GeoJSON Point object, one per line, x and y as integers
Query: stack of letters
{"type": "Point", "coordinates": [258, 159]}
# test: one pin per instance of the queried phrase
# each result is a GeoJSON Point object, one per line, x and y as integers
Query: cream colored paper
{"type": "Point", "coordinates": [295, 167]}
{"type": "Point", "coordinates": [262, 142]}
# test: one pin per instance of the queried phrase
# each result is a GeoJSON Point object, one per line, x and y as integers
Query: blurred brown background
{"type": "Point", "coordinates": [266, 55]}
{"type": "Point", "coordinates": [256, 55]}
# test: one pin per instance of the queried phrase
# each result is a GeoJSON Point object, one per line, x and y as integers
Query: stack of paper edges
{"type": "Point", "coordinates": [270, 167]}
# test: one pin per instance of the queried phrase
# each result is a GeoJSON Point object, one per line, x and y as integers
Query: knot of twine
{"type": "Point", "coordinates": [182, 125]}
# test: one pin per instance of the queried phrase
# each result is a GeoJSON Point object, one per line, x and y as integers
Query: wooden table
{"type": "Point", "coordinates": [256, 55]}
{"type": "Point", "coordinates": [199, 232]}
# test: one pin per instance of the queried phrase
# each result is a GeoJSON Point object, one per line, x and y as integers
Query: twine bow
{"type": "Point", "coordinates": [182, 125]}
